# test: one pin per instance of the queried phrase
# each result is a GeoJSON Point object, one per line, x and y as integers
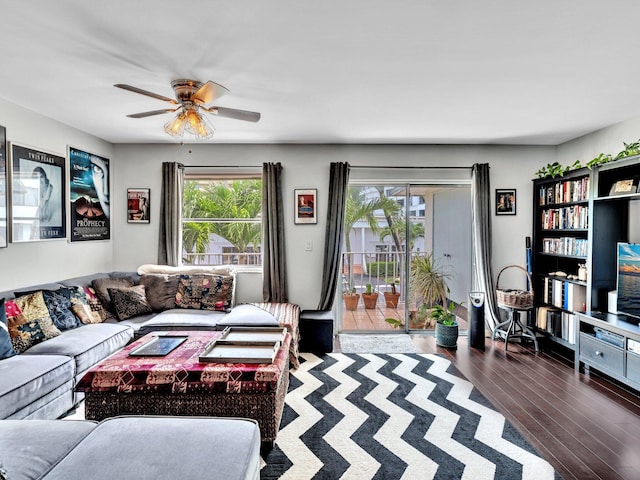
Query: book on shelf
{"type": "Point", "coordinates": [571, 246]}
{"type": "Point", "coordinates": [557, 323]}
{"type": "Point", "coordinates": [565, 295]}
{"type": "Point", "coordinates": [566, 218]}
{"type": "Point", "coordinates": [567, 191]}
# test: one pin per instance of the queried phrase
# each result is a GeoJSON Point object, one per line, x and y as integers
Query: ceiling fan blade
{"type": "Point", "coordinates": [153, 112]}
{"type": "Point", "coordinates": [234, 113]}
{"type": "Point", "coordinates": [145, 92]}
{"type": "Point", "coordinates": [208, 92]}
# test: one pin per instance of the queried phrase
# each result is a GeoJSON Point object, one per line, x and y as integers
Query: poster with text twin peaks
{"type": "Point", "coordinates": [89, 196]}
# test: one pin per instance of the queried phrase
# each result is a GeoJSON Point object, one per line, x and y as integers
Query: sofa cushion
{"type": "Point", "coordinates": [209, 292]}
{"type": "Point", "coordinates": [161, 290]}
{"type": "Point", "coordinates": [6, 347]}
{"type": "Point", "coordinates": [101, 286]}
{"type": "Point", "coordinates": [129, 302]}
{"type": "Point", "coordinates": [87, 345]}
{"type": "Point", "coordinates": [26, 378]}
{"type": "Point", "coordinates": [31, 448]}
{"type": "Point", "coordinates": [25, 332]}
{"type": "Point", "coordinates": [165, 447]}
{"type": "Point", "coordinates": [249, 316]}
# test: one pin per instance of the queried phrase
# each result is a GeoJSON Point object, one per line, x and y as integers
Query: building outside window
{"type": "Point", "coordinates": [221, 220]}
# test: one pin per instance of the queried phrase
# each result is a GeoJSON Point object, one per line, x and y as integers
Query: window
{"type": "Point", "coordinates": [221, 220]}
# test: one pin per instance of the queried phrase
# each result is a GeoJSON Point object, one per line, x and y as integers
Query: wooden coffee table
{"type": "Point", "coordinates": [179, 384]}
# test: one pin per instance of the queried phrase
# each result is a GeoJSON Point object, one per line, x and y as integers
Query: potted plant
{"type": "Point", "coordinates": [391, 298]}
{"type": "Point", "coordinates": [446, 325]}
{"type": "Point", "coordinates": [369, 297]}
{"type": "Point", "coordinates": [427, 282]}
{"type": "Point", "coordinates": [351, 298]}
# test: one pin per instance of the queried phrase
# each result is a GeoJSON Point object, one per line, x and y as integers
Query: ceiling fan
{"type": "Point", "coordinates": [192, 97]}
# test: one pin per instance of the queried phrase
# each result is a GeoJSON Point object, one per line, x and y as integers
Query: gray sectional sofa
{"type": "Point", "coordinates": [141, 448]}
{"type": "Point", "coordinates": [39, 383]}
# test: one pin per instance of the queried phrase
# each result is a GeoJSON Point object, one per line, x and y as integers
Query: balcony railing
{"type": "Point", "coordinates": [209, 258]}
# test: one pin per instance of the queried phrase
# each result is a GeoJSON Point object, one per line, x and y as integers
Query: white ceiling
{"type": "Point", "coordinates": [334, 71]}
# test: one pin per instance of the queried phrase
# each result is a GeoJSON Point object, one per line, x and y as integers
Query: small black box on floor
{"type": "Point", "coordinates": [316, 331]}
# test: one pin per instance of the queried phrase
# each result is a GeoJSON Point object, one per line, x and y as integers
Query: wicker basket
{"type": "Point", "coordinates": [514, 298]}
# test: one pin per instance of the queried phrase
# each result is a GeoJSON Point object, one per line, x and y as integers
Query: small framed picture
{"type": "Point", "coordinates": [505, 201]}
{"type": "Point", "coordinates": [305, 207]}
{"type": "Point", "coordinates": [138, 204]}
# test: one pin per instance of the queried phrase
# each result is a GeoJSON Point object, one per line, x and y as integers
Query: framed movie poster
{"type": "Point", "coordinates": [3, 187]}
{"type": "Point", "coordinates": [305, 206]}
{"type": "Point", "coordinates": [138, 203]}
{"type": "Point", "coordinates": [89, 196]}
{"type": "Point", "coordinates": [506, 201]}
{"type": "Point", "coordinates": [37, 195]}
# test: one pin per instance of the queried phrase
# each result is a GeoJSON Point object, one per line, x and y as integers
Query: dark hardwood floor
{"type": "Point", "coordinates": [586, 426]}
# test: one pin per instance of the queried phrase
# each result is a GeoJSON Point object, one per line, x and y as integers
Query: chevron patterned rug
{"type": "Point", "coordinates": [393, 416]}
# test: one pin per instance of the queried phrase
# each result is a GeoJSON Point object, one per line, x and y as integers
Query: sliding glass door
{"type": "Point", "coordinates": [398, 239]}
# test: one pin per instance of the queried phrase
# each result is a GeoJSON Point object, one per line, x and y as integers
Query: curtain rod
{"type": "Point", "coordinates": [413, 167]}
{"type": "Point", "coordinates": [221, 166]}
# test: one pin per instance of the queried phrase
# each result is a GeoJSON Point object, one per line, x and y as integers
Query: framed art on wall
{"type": "Point", "coordinates": [37, 195]}
{"type": "Point", "coordinates": [89, 196]}
{"type": "Point", "coordinates": [305, 207]}
{"type": "Point", "coordinates": [3, 187]}
{"type": "Point", "coordinates": [138, 204]}
{"type": "Point", "coordinates": [506, 201]}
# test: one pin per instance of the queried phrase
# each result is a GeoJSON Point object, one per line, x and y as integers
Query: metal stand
{"type": "Point", "coordinates": [513, 327]}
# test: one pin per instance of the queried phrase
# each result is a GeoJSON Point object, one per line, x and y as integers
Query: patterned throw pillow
{"type": "Point", "coordinates": [209, 292]}
{"type": "Point", "coordinates": [26, 329]}
{"type": "Point", "coordinates": [32, 305]}
{"type": "Point", "coordinates": [85, 314]}
{"type": "Point", "coordinates": [102, 286]}
{"type": "Point", "coordinates": [161, 291]}
{"type": "Point", "coordinates": [3, 473]}
{"type": "Point", "coordinates": [129, 302]}
{"type": "Point", "coordinates": [76, 295]}
{"type": "Point", "coordinates": [6, 348]}
{"type": "Point", "coordinates": [59, 306]}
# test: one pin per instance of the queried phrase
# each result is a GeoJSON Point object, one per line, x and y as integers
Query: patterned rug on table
{"type": "Point", "coordinates": [392, 416]}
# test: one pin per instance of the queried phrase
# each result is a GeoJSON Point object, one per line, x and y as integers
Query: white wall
{"type": "Point", "coordinates": [24, 264]}
{"type": "Point", "coordinates": [307, 166]}
{"type": "Point", "coordinates": [608, 140]}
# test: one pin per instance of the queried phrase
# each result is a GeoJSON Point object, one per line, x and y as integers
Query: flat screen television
{"type": "Point", "coordinates": [629, 279]}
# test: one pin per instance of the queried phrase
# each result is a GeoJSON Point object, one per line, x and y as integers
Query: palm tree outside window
{"type": "Point", "coordinates": [221, 220]}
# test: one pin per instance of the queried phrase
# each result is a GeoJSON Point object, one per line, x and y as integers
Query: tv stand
{"type": "Point", "coordinates": [609, 343]}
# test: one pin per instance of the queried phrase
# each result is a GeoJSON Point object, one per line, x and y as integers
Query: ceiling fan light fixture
{"type": "Point", "coordinates": [198, 125]}
{"type": "Point", "coordinates": [175, 127]}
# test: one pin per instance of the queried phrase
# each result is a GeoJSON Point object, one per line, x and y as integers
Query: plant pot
{"type": "Point", "coordinates": [370, 300]}
{"type": "Point", "coordinates": [391, 299]}
{"type": "Point", "coordinates": [446, 335]}
{"type": "Point", "coordinates": [351, 301]}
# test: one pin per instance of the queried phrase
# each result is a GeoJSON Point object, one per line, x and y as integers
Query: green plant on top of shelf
{"type": "Point", "coordinates": [601, 159]}
{"type": "Point", "coordinates": [555, 169]}
{"type": "Point", "coordinates": [630, 149]}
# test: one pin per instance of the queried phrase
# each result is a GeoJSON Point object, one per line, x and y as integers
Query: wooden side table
{"type": "Point", "coordinates": [513, 328]}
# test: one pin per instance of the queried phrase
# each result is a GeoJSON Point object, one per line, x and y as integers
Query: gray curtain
{"type": "Point", "coordinates": [170, 239]}
{"type": "Point", "coordinates": [482, 241]}
{"type": "Point", "coordinates": [338, 186]}
{"type": "Point", "coordinates": [274, 281]}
